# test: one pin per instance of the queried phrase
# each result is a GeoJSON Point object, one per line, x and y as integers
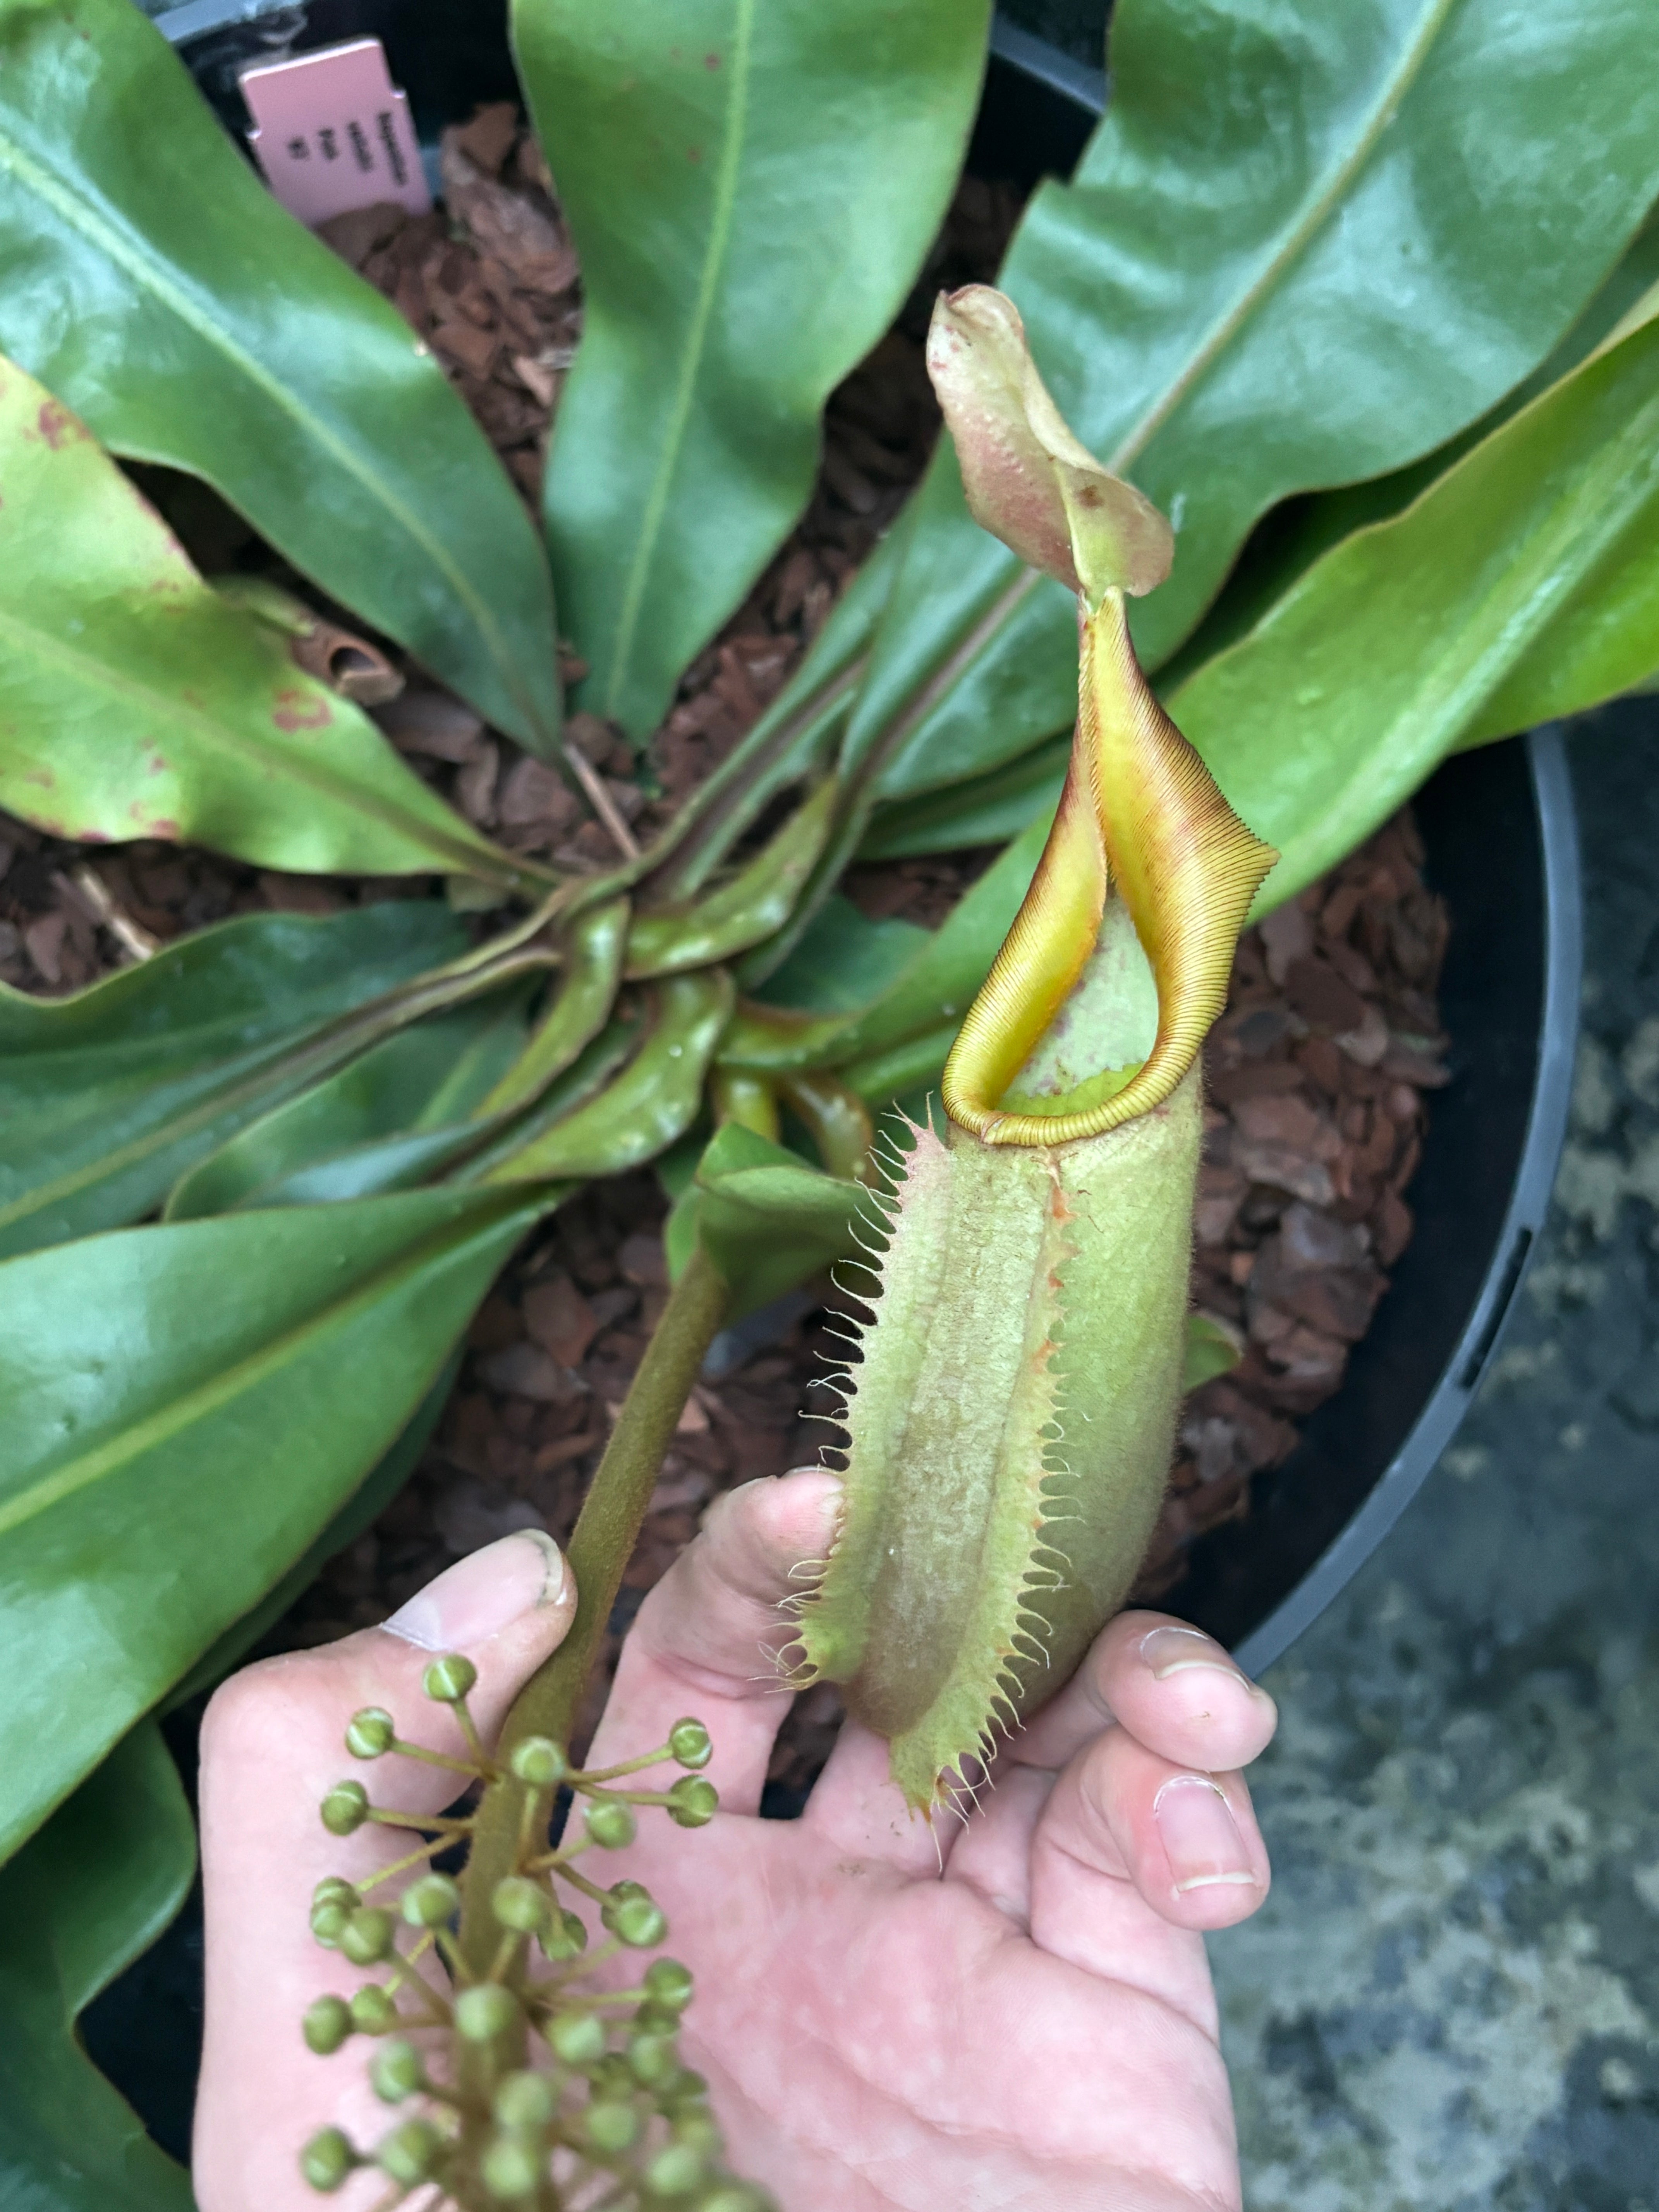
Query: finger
{"type": "Point", "coordinates": [271, 1746]}
{"type": "Point", "coordinates": [857, 1807]}
{"type": "Point", "coordinates": [1175, 1690]}
{"type": "Point", "coordinates": [706, 1640]}
{"type": "Point", "coordinates": [992, 1854]}
{"type": "Point", "coordinates": [1129, 1840]}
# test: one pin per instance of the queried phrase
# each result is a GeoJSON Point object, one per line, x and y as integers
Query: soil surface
{"type": "Point", "coordinates": [1317, 1073]}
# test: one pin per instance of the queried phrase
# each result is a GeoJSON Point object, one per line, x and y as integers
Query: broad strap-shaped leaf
{"type": "Point", "coordinates": [1523, 583]}
{"type": "Point", "coordinates": [77, 1906]}
{"type": "Point", "coordinates": [752, 185]}
{"type": "Point", "coordinates": [187, 1407]}
{"type": "Point", "coordinates": [148, 277]}
{"type": "Point", "coordinates": [135, 702]}
{"type": "Point", "coordinates": [1229, 310]}
{"type": "Point", "coordinates": [107, 1096]}
{"type": "Point", "coordinates": [360, 1510]}
{"type": "Point", "coordinates": [417, 1082]}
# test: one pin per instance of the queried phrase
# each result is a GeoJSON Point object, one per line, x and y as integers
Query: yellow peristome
{"type": "Point", "coordinates": [1140, 813]}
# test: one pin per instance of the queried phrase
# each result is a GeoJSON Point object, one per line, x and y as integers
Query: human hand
{"type": "Point", "coordinates": [1003, 2011]}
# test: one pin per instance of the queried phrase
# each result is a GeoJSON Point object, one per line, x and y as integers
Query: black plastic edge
{"type": "Point", "coordinates": [1034, 57]}
{"type": "Point", "coordinates": [1546, 1129]}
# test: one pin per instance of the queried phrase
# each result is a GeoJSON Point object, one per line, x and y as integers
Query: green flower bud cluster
{"type": "Point", "coordinates": [611, 2103]}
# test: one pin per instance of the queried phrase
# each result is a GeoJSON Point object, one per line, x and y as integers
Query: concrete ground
{"type": "Point", "coordinates": [1450, 2002]}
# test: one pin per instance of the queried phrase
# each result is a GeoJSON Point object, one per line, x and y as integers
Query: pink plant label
{"type": "Point", "coordinates": [334, 132]}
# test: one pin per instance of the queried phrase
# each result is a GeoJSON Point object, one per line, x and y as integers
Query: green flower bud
{"type": "Point", "coordinates": [346, 1808]}
{"type": "Point", "coordinates": [540, 1762]}
{"type": "Point", "coordinates": [519, 1902]}
{"type": "Point", "coordinates": [431, 1901]}
{"type": "Point", "coordinates": [678, 2171]}
{"type": "Point", "coordinates": [327, 2159]}
{"type": "Point", "coordinates": [633, 1916]}
{"type": "Point", "coordinates": [373, 2009]}
{"type": "Point", "coordinates": [369, 1734]}
{"type": "Point", "coordinates": [693, 1802]}
{"type": "Point", "coordinates": [366, 1939]}
{"type": "Point", "coordinates": [736, 2196]}
{"type": "Point", "coordinates": [653, 2058]}
{"type": "Point", "coordinates": [512, 2169]}
{"type": "Point", "coordinates": [525, 2101]}
{"type": "Point", "coordinates": [636, 1921]}
{"type": "Point", "coordinates": [577, 2037]}
{"type": "Point", "coordinates": [654, 2019]}
{"type": "Point", "coordinates": [396, 2070]}
{"type": "Point", "coordinates": [326, 2025]}
{"type": "Point", "coordinates": [612, 1824]}
{"type": "Point", "coordinates": [564, 1939]}
{"type": "Point", "coordinates": [335, 1889]}
{"type": "Point", "coordinates": [669, 1983]}
{"type": "Point", "coordinates": [684, 2093]}
{"type": "Point", "coordinates": [485, 2012]}
{"type": "Point", "coordinates": [328, 1921]}
{"type": "Point", "coordinates": [409, 2154]}
{"type": "Point", "coordinates": [610, 2080]}
{"type": "Point", "coordinates": [698, 2127]}
{"type": "Point", "coordinates": [688, 1741]}
{"type": "Point", "coordinates": [447, 1681]}
{"type": "Point", "coordinates": [611, 2126]}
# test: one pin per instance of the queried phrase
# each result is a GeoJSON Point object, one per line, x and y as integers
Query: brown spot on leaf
{"type": "Point", "coordinates": [711, 61]}
{"type": "Point", "coordinates": [300, 710]}
{"type": "Point", "coordinates": [56, 425]}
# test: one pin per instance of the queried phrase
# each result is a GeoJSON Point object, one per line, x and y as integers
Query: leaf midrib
{"type": "Point", "coordinates": [980, 634]}
{"type": "Point", "coordinates": [192, 1406]}
{"type": "Point", "coordinates": [149, 275]}
{"type": "Point", "coordinates": [720, 239]}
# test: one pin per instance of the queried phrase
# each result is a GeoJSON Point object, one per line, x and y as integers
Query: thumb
{"type": "Point", "coordinates": [272, 1746]}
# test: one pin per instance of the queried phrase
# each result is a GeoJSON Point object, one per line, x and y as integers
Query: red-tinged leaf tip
{"type": "Point", "coordinates": [1141, 814]}
{"type": "Point", "coordinates": [1029, 481]}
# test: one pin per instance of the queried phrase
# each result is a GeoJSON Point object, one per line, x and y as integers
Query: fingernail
{"type": "Point", "coordinates": [1200, 1835]}
{"type": "Point", "coordinates": [1175, 1651]}
{"type": "Point", "coordinates": [483, 1594]}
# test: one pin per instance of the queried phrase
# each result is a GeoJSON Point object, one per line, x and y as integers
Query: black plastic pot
{"type": "Point", "coordinates": [1502, 848]}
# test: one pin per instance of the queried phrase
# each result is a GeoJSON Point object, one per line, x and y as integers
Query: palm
{"type": "Point", "coordinates": [876, 2035]}
{"type": "Point", "coordinates": [1012, 2028]}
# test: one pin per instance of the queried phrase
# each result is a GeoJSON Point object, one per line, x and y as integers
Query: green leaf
{"type": "Point", "coordinates": [148, 277]}
{"type": "Point", "coordinates": [752, 188]}
{"type": "Point", "coordinates": [187, 1407]}
{"type": "Point", "coordinates": [105, 1097]}
{"type": "Point", "coordinates": [360, 1510]}
{"type": "Point", "coordinates": [1230, 312]}
{"type": "Point", "coordinates": [77, 1906]}
{"type": "Point", "coordinates": [417, 1081]}
{"type": "Point", "coordinates": [135, 702]}
{"type": "Point", "coordinates": [933, 988]}
{"type": "Point", "coordinates": [1210, 1351]}
{"type": "Point", "coordinates": [843, 960]}
{"type": "Point", "coordinates": [654, 1100]}
{"type": "Point", "coordinates": [767, 1220]}
{"type": "Point", "coordinates": [1525, 582]}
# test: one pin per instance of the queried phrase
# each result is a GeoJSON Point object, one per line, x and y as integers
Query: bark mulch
{"type": "Point", "coordinates": [1316, 1074]}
